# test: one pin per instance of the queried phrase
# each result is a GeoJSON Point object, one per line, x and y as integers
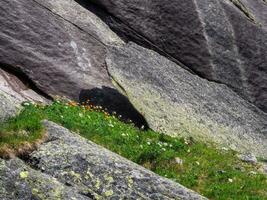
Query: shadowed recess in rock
{"type": "Point", "coordinates": [113, 101]}
{"type": "Point", "coordinates": [24, 79]}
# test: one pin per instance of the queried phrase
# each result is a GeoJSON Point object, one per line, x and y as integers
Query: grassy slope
{"type": "Point", "coordinates": [216, 174]}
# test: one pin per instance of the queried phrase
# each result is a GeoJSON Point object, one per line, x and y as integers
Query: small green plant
{"type": "Point", "coordinates": [214, 173]}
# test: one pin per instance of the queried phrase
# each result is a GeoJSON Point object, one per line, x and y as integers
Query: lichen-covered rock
{"type": "Point", "coordinates": [99, 173]}
{"type": "Point", "coordinates": [175, 102]}
{"type": "Point", "coordinates": [20, 182]}
{"type": "Point", "coordinates": [12, 93]}
{"type": "Point", "coordinates": [221, 40]}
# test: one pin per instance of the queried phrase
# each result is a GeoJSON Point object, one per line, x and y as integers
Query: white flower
{"type": "Point", "coordinates": [230, 180]}
{"type": "Point", "coordinates": [148, 143]}
{"type": "Point", "coordinates": [170, 145]}
{"type": "Point", "coordinates": [61, 116]}
{"type": "Point", "coordinates": [111, 125]}
{"type": "Point", "coordinates": [163, 149]}
{"type": "Point", "coordinates": [123, 134]}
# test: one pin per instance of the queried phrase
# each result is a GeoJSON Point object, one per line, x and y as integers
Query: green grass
{"type": "Point", "coordinates": [214, 173]}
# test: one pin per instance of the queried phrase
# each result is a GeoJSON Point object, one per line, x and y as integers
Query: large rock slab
{"type": "Point", "coordinates": [19, 181]}
{"type": "Point", "coordinates": [13, 92]}
{"type": "Point", "coordinates": [175, 102]}
{"type": "Point", "coordinates": [75, 13]}
{"type": "Point", "coordinates": [99, 173]}
{"type": "Point", "coordinates": [61, 56]}
{"type": "Point", "coordinates": [220, 40]}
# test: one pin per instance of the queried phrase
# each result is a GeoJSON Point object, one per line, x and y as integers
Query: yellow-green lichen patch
{"type": "Point", "coordinates": [77, 177]}
{"type": "Point", "coordinates": [108, 193]}
{"type": "Point", "coordinates": [130, 181]}
{"type": "Point", "coordinates": [24, 174]}
{"type": "Point", "coordinates": [109, 179]}
{"type": "Point", "coordinates": [97, 184]}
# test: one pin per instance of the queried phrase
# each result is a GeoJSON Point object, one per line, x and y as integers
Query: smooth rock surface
{"type": "Point", "coordinates": [58, 56]}
{"type": "Point", "coordinates": [13, 92]}
{"type": "Point", "coordinates": [73, 12]}
{"type": "Point", "coordinates": [175, 102]}
{"type": "Point", "coordinates": [221, 40]}
{"type": "Point", "coordinates": [99, 173]}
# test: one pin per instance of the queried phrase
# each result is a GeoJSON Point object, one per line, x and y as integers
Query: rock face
{"type": "Point", "coordinates": [223, 41]}
{"type": "Point", "coordinates": [69, 167]}
{"type": "Point", "coordinates": [61, 47]}
{"type": "Point", "coordinates": [175, 102]}
{"type": "Point", "coordinates": [61, 56]}
{"type": "Point", "coordinates": [12, 93]}
{"type": "Point", "coordinates": [18, 181]}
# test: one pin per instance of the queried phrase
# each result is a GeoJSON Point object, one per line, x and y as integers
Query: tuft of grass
{"type": "Point", "coordinates": [214, 173]}
{"type": "Point", "coordinates": [21, 134]}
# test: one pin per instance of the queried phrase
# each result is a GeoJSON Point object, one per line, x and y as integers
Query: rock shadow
{"type": "Point", "coordinates": [113, 101]}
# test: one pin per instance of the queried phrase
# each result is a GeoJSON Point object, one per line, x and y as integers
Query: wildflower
{"type": "Point", "coordinates": [61, 116]}
{"type": "Point", "coordinates": [111, 125]}
{"type": "Point", "coordinates": [163, 149]}
{"type": "Point", "coordinates": [170, 145]}
{"type": "Point", "coordinates": [72, 103]}
{"type": "Point", "coordinates": [26, 104]}
{"type": "Point", "coordinates": [230, 180]}
{"type": "Point", "coordinates": [148, 143]}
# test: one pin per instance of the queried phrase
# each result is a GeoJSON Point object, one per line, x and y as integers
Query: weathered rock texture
{"type": "Point", "coordinates": [221, 40]}
{"type": "Point", "coordinates": [61, 47]}
{"type": "Point", "coordinates": [61, 56]}
{"type": "Point", "coordinates": [69, 167]}
{"type": "Point", "coordinates": [175, 102]}
{"type": "Point", "coordinates": [18, 181]}
{"type": "Point", "coordinates": [12, 93]}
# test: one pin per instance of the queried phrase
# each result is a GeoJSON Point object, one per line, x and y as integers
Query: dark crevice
{"type": "Point", "coordinates": [88, 194]}
{"type": "Point", "coordinates": [240, 6]}
{"type": "Point", "coordinates": [114, 103]}
{"type": "Point", "coordinates": [127, 33]}
{"type": "Point", "coordinates": [24, 79]}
